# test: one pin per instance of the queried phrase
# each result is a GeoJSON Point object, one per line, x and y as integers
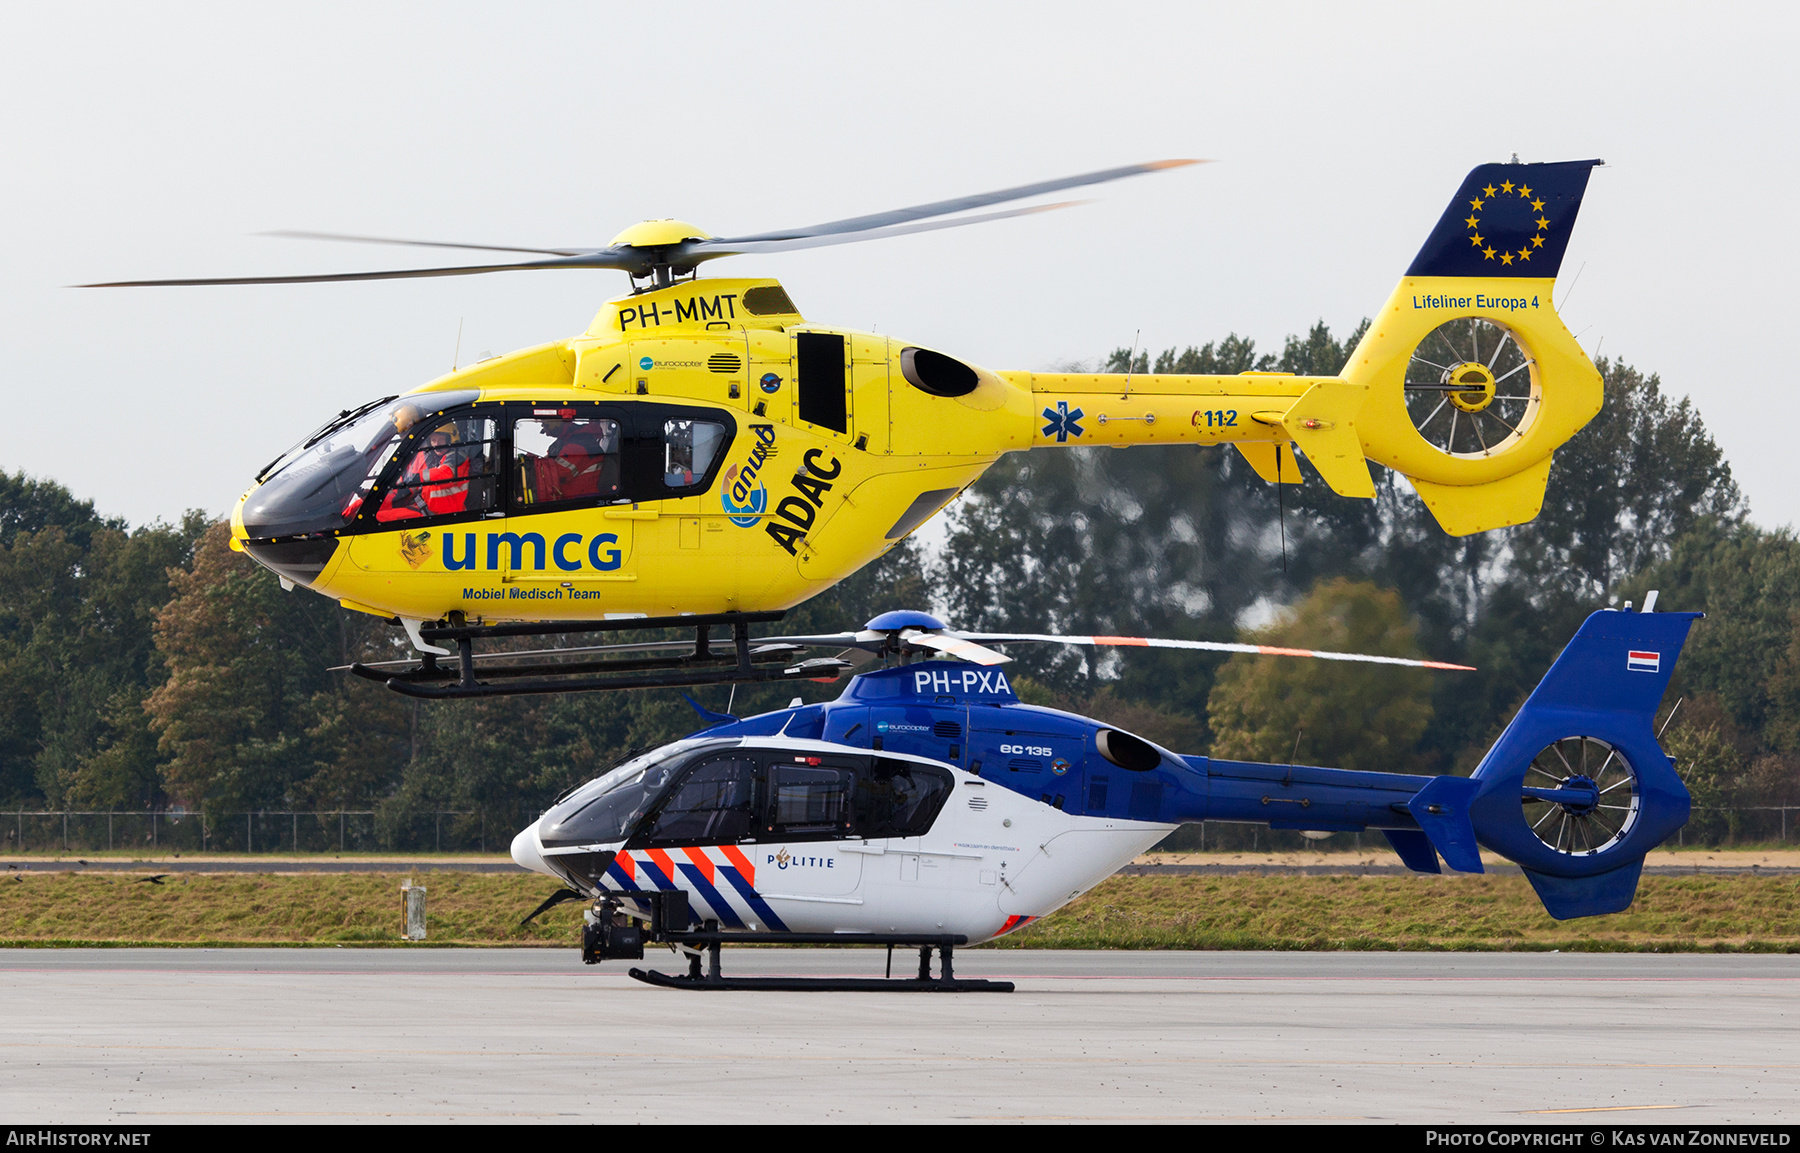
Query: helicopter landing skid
{"type": "Point", "coordinates": [712, 978]}
{"type": "Point", "coordinates": [606, 667]}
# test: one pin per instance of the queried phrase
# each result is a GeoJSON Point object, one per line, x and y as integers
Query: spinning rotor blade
{"type": "Point", "coordinates": [880, 220]}
{"type": "Point", "coordinates": [707, 249]}
{"type": "Point", "coordinates": [291, 234]}
{"type": "Point", "coordinates": [683, 255]}
{"type": "Point", "coordinates": [602, 259]}
{"type": "Point", "coordinates": [1207, 646]}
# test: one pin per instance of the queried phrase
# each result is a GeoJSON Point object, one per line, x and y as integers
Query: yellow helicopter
{"type": "Point", "coordinates": [703, 454]}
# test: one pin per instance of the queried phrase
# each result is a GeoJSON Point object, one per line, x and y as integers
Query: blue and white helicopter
{"type": "Point", "coordinates": [929, 807]}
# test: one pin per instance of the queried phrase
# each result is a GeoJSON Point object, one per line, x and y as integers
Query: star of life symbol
{"type": "Point", "coordinates": [1063, 422]}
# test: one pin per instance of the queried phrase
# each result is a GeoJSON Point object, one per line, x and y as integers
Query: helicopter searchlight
{"type": "Point", "coordinates": [928, 807]}
{"type": "Point", "coordinates": [704, 452]}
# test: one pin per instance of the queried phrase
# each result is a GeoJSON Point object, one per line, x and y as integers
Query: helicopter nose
{"type": "Point", "coordinates": [525, 851]}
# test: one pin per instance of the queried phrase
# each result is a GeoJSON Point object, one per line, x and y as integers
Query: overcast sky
{"type": "Point", "coordinates": [155, 141]}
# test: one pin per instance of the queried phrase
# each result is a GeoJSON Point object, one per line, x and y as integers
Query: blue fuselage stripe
{"type": "Point", "coordinates": [712, 896]}
{"type": "Point", "coordinates": [759, 906]}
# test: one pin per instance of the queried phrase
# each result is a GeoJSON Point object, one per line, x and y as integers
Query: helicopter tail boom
{"type": "Point", "coordinates": [1465, 382]}
{"type": "Point", "coordinates": [1576, 791]}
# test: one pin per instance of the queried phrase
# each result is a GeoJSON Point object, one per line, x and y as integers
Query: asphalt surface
{"type": "Point", "coordinates": [413, 864]}
{"type": "Point", "coordinates": [411, 1035]}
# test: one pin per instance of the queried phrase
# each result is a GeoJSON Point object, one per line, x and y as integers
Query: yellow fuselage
{"type": "Point", "coordinates": [838, 445]}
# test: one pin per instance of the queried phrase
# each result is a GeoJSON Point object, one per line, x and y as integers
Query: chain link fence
{"type": "Point", "coordinates": [265, 831]}
{"type": "Point", "coordinates": [276, 831]}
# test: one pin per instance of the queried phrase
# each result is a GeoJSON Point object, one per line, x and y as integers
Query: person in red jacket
{"type": "Point", "coordinates": [436, 480]}
{"type": "Point", "coordinates": [583, 460]}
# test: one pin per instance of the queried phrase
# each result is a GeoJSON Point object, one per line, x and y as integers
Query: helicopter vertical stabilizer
{"type": "Point", "coordinates": [1473, 379]}
{"type": "Point", "coordinates": [1577, 790]}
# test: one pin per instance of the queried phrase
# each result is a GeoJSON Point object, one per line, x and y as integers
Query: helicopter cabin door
{"type": "Point", "coordinates": [566, 468]}
{"type": "Point", "coordinates": [822, 383]}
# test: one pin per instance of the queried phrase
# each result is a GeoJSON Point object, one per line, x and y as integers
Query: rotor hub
{"type": "Point", "coordinates": [1474, 384]}
{"type": "Point", "coordinates": [660, 234]}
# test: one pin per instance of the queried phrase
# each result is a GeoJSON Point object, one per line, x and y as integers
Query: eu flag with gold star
{"type": "Point", "coordinates": [1507, 220]}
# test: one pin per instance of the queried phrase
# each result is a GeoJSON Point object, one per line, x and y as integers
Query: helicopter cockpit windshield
{"type": "Point", "coordinates": [708, 792]}
{"type": "Point", "coordinates": [320, 486]}
{"type": "Point", "coordinates": [606, 809]}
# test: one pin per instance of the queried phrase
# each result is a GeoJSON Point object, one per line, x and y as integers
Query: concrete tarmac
{"type": "Point", "coordinates": [411, 1035]}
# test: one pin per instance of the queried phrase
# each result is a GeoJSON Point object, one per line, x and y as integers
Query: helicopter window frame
{"type": "Point", "coordinates": [648, 834]}
{"type": "Point", "coordinates": [860, 802]}
{"type": "Point", "coordinates": [324, 486]}
{"type": "Point", "coordinates": [643, 452]}
{"type": "Point", "coordinates": [822, 808]}
{"type": "Point", "coordinates": [908, 815]}
{"type": "Point", "coordinates": [393, 474]}
{"type": "Point", "coordinates": [621, 491]}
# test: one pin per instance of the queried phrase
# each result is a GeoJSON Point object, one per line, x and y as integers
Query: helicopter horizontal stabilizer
{"type": "Point", "coordinates": [1415, 849]}
{"type": "Point", "coordinates": [1442, 810]}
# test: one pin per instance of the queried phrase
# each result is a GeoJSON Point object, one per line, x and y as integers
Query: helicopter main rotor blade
{"type": "Point", "coordinates": [601, 259]}
{"type": "Point", "coordinates": [707, 249]}
{"type": "Point", "coordinates": [292, 234]}
{"type": "Point", "coordinates": [684, 255]}
{"type": "Point", "coordinates": [956, 644]}
{"type": "Point", "coordinates": [959, 204]}
{"type": "Point", "coordinates": [1205, 646]}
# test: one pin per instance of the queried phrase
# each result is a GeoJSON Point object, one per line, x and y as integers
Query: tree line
{"type": "Point", "coordinates": [152, 666]}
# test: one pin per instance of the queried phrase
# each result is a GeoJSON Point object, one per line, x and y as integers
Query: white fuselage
{"type": "Point", "coordinates": [992, 861]}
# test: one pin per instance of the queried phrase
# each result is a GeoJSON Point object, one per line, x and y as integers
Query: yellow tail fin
{"type": "Point", "coordinates": [1473, 380]}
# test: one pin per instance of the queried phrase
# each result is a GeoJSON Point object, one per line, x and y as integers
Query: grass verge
{"type": "Point", "coordinates": [1741, 913]}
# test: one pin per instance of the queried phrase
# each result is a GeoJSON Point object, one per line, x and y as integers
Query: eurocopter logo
{"type": "Point", "coordinates": [742, 491]}
{"type": "Point", "coordinates": [1063, 422]}
{"type": "Point", "coordinates": [897, 727]}
{"type": "Point", "coordinates": [646, 364]}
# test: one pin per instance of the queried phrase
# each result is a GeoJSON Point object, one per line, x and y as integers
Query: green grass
{"type": "Point", "coordinates": [1487, 912]}
{"type": "Point", "coordinates": [1741, 913]}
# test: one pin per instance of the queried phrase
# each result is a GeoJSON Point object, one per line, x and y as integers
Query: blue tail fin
{"type": "Point", "coordinates": [1577, 790]}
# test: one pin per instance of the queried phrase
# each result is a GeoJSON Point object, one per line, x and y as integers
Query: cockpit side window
{"type": "Point", "coordinates": [323, 485]}
{"type": "Point", "coordinates": [716, 804]}
{"type": "Point", "coordinates": [747, 795]}
{"type": "Point", "coordinates": [453, 467]}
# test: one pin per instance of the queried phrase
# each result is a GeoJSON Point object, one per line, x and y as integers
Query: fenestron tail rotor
{"type": "Point", "coordinates": [664, 249]}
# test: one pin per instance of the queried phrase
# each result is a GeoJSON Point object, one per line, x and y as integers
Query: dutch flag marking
{"type": "Point", "coordinates": [1643, 662]}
